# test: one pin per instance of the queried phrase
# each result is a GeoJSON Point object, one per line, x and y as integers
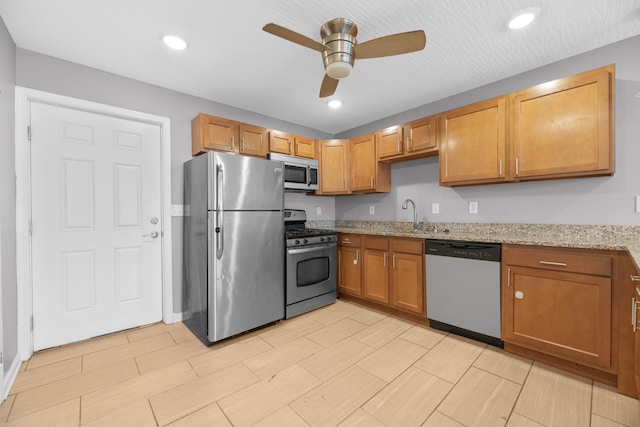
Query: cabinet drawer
{"type": "Point", "coordinates": [560, 259]}
{"type": "Point", "coordinates": [349, 240]}
{"type": "Point", "coordinates": [408, 246]}
{"type": "Point", "coordinates": [374, 242]}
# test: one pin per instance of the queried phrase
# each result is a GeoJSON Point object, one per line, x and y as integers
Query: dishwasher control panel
{"type": "Point", "coordinates": [463, 249]}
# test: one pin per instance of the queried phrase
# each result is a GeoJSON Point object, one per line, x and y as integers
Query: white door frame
{"type": "Point", "coordinates": [24, 97]}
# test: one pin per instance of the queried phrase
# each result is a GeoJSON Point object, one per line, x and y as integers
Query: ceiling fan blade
{"type": "Point", "coordinates": [292, 36]}
{"type": "Point", "coordinates": [329, 86]}
{"type": "Point", "coordinates": [394, 44]}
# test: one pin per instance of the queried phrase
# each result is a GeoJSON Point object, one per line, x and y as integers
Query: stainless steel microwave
{"type": "Point", "coordinates": [300, 173]}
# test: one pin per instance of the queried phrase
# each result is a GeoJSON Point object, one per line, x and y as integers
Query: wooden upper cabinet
{"type": "Point", "coordinates": [280, 142]}
{"type": "Point", "coordinates": [565, 127]}
{"type": "Point", "coordinates": [254, 140]}
{"type": "Point", "coordinates": [212, 133]}
{"type": "Point", "coordinates": [420, 137]}
{"type": "Point", "coordinates": [390, 143]}
{"type": "Point", "coordinates": [304, 147]}
{"type": "Point", "coordinates": [409, 141]}
{"type": "Point", "coordinates": [334, 166]}
{"type": "Point", "coordinates": [473, 143]}
{"type": "Point", "coordinates": [368, 175]}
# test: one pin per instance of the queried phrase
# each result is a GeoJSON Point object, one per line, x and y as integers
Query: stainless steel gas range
{"type": "Point", "coordinates": [310, 265]}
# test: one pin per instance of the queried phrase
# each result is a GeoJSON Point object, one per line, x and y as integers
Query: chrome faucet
{"type": "Point", "coordinates": [415, 215]}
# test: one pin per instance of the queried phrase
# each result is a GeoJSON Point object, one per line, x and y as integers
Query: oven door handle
{"type": "Point", "coordinates": [310, 249]}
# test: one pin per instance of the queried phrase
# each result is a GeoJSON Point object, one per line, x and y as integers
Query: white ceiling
{"type": "Point", "coordinates": [232, 61]}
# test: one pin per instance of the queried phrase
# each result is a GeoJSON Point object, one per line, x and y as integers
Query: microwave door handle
{"type": "Point", "coordinates": [308, 176]}
{"type": "Point", "coordinates": [220, 212]}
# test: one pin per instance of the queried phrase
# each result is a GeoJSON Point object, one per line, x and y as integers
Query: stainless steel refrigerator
{"type": "Point", "coordinates": [233, 244]}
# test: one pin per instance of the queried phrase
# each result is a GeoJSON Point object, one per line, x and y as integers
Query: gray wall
{"type": "Point", "coordinates": [54, 75]}
{"type": "Point", "coordinates": [8, 198]}
{"type": "Point", "coordinates": [603, 200]}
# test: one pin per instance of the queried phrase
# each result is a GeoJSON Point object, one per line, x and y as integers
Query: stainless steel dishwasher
{"type": "Point", "coordinates": [463, 288]}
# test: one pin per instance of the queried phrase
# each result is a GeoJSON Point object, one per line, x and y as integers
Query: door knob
{"type": "Point", "coordinates": [153, 220]}
{"type": "Point", "coordinates": [153, 235]}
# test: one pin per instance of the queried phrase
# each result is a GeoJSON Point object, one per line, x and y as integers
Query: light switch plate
{"type": "Point", "coordinates": [637, 204]}
{"type": "Point", "coordinates": [435, 208]}
{"type": "Point", "coordinates": [372, 210]}
{"type": "Point", "coordinates": [473, 207]}
{"type": "Point", "coordinates": [318, 210]}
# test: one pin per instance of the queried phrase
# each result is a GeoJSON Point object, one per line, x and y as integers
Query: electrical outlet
{"type": "Point", "coordinates": [473, 207]}
{"type": "Point", "coordinates": [435, 208]}
{"type": "Point", "coordinates": [637, 204]}
{"type": "Point", "coordinates": [372, 210]}
{"type": "Point", "coordinates": [318, 210]}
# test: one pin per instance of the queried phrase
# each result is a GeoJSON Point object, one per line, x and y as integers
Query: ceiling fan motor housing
{"type": "Point", "coordinates": [339, 35]}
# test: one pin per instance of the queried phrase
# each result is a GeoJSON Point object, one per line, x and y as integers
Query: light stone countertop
{"type": "Point", "coordinates": [604, 237]}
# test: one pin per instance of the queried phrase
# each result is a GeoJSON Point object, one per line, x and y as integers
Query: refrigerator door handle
{"type": "Point", "coordinates": [220, 212]}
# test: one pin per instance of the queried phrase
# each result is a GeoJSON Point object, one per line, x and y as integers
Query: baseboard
{"type": "Point", "coordinates": [174, 318]}
{"type": "Point", "coordinates": [10, 378]}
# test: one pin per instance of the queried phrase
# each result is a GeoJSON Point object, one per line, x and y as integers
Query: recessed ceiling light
{"type": "Point", "coordinates": [174, 42]}
{"type": "Point", "coordinates": [524, 18]}
{"type": "Point", "coordinates": [335, 103]}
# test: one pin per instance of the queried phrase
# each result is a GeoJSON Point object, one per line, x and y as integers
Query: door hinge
{"type": "Point", "coordinates": [31, 324]}
{"type": "Point", "coordinates": [30, 228]}
{"type": "Point", "coordinates": [29, 132]}
{"type": "Point", "coordinates": [0, 358]}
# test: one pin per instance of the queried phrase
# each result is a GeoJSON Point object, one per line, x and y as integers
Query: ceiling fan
{"type": "Point", "coordinates": [340, 49]}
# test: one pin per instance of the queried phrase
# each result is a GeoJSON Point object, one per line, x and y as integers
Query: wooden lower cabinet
{"type": "Point", "coordinates": [349, 264]}
{"type": "Point", "coordinates": [376, 269]}
{"type": "Point", "coordinates": [559, 302]}
{"type": "Point", "coordinates": [629, 339]}
{"type": "Point", "coordinates": [407, 277]}
{"type": "Point", "coordinates": [392, 273]}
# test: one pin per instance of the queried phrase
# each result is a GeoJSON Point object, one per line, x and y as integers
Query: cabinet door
{"type": "Point", "coordinates": [420, 136]}
{"type": "Point", "coordinates": [565, 127]}
{"type": "Point", "coordinates": [253, 140]}
{"type": "Point", "coordinates": [563, 314]}
{"type": "Point", "coordinates": [363, 163]}
{"type": "Point", "coordinates": [304, 147]}
{"type": "Point", "coordinates": [376, 275]}
{"type": "Point", "coordinates": [334, 166]}
{"type": "Point", "coordinates": [280, 142]}
{"type": "Point", "coordinates": [212, 133]}
{"type": "Point", "coordinates": [349, 271]}
{"type": "Point", "coordinates": [473, 143]}
{"type": "Point", "coordinates": [407, 283]}
{"type": "Point", "coordinates": [390, 143]}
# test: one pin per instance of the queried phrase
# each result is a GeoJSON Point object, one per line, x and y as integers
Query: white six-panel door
{"type": "Point", "coordinates": [96, 205]}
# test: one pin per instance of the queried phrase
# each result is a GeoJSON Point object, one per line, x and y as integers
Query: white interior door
{"type": "Point", "coordinates": [96, 212]}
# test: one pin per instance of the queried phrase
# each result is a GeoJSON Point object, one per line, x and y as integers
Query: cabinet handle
{"type": "Point", "coordinates": [516, 166]}
{"type": "Point", "coordinates": [635, 278]}
{"type": "Point", "coordinates": [634, 314]}
{"type": "Point", "coordinates": [384, 260]}
{"type": "Point", "coordinates": [372, 186]}
{"type": "Point", "coordinates": [357, 256]}
{"type": "Point", "coordinates": [509, 277]}
{"type": "Point", "coordinates": [346, 242]}
{"type": "Point", "coordinates": [394, 260]}
{"type": "Point", "coordinates": [500, 173]}
{"type": "Point", "coordinates": [399, 145]}
{"type": "Point", "coordinates": [242, 142]}
{"type": "Point", "coordinates": [233, 142]}
{"type": "Point", "coordinates": [557, 264]}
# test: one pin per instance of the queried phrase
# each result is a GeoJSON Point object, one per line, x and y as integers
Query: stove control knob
{"type": "Point", "coordinates": [305, 241]}
{"type": "Point", "coordinates": [297, 242]}
{"type": "Point", "coordinates": [322, 239]}
{"type": "Point", "coordinates": [329, 238]}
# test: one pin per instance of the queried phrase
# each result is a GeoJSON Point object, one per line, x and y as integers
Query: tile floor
{"type": "Point", "coordinates": [340, 365]}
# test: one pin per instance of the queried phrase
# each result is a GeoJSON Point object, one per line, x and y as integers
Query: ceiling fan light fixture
{"type": "Point", "coordinates": [338, 69]}
{"type": "Point", "coordinates": [174, 42]}
{"type": "Point", "coordinates": [334, 103]}
{"type": "Point", "coordinates": [523, 18]}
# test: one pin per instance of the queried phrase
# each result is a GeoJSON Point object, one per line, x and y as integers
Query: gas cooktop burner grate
{"type": "Point", "coordinates": [308, 232]}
